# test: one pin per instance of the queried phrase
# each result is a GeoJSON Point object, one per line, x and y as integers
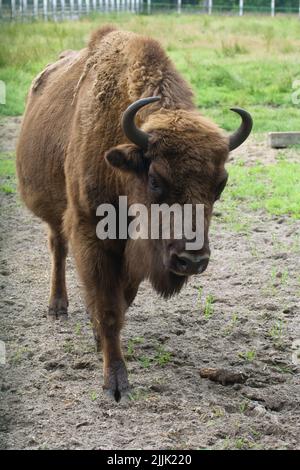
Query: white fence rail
{"type": "Point", "coordinates": [57, 9]}
{"type": "Point", "coordinates": [60, 9]}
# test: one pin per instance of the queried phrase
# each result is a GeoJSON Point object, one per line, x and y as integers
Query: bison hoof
{"type": "Point", "coordinates": [58, 309]}
{"type": "Point", "coordinates": [116, 384]}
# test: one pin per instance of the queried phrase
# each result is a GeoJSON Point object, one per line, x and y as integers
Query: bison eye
{"type": "Point", "coordinates": [220, 188]}
{"type": "Point", "coordinates": [154, 185]}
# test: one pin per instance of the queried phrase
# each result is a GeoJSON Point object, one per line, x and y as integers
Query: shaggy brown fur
{"type": "Point", "coordinates": [68, 164]}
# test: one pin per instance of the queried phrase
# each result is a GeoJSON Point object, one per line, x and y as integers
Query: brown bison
{"type": "Point", "coordinates": [80, 147]}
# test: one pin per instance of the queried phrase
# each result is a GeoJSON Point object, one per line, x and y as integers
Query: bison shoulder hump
{"type": "Point", "coordinates": [98, 35]}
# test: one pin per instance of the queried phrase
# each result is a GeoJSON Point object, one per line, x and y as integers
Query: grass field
{"type": "Point", "coordinates": [249, 61]}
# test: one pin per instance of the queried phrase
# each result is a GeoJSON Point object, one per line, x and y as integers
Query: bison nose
{"type": "Point", "coordinates": [186, 263]}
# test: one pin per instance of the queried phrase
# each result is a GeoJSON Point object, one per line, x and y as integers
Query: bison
{"type": "Point", "coordinates": [82, 144]}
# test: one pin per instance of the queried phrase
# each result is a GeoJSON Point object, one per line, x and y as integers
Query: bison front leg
{"type": "Point", "coordinates": [108, 323]}
{"type": "Point", "coordinates": [106, 305]}
{"type": "Point", "coordinates": [107, 310]}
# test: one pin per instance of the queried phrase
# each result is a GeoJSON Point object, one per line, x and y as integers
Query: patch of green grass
{"type": "Point", "coordinates": [274, 188]}
{"type": "Point", "coordinates": [69, 346]}
{"type": "Point", "coordinates": [248, 356]}
{"type": "Point", "coordinates": [231, 325]}
{"type": "Point", "coordinates": [218, 412]}
{"type": "Point", "coordinates": [208, 307]}
{"type": "Point", "coordinates": [276, 331]}
{"type": "Point", "coordinates": [162, 357]}
{"type": "Point", "coordinates": [250, 61]}
{"type": "Point", "coordinates": [7, 189]}
{"type": "Point", "coordinates": [78, 329]}
{"type": "Point", "coordinates": [279, 277]}
{"type": "Point", "coordinates": [231, 49]}
{"type": "Point", "coordinates": [7, 164]}
{"type": "Point", "coordinates": [131, 352]}
{"type": "Point", "coordinates": [284, 277]}
{"type": "Point", "coordinates": [273, 275]}
{"type": "Point", "coordinates": [93, 395]}
{"type": "Point", "coordinates": [242, 443]}
{"type": "Point", "coordinates": [7, 172]}
{"type": "Point", "coordinates": [244, 406]}
{"type": "Point", "coordinates": [256, 434]}
{"type": "Point", "coordinates": [145, 361]}
{"type": "Point", "coordinates": [284, 369]}
{"type": "Point", "coordinates": [19, 355]}
{"type": "Point", "coordinates": [199, 297]}
{"type": "Point", "coordinates": [138, 394]}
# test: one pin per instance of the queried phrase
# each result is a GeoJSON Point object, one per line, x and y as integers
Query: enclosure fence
{"type": "Point", "coordinates": [73, 9]}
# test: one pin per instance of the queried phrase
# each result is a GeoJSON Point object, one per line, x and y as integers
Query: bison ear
{"type": "Point", "coordinates": [126, 157]}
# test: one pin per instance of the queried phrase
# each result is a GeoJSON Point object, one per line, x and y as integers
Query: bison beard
{"type": "Point", "coordinates": [163, 281]}
{"type": "Point", "coordinates": [167, 284]}
{"type": "Point", "coordinates": [75, 153]}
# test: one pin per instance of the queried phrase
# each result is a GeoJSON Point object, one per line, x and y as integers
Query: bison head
{"type": "Point", "coordinates": [178, 156]}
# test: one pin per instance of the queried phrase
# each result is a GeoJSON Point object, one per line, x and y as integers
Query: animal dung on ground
{"type": "Point", "coordinates": [223, 376]}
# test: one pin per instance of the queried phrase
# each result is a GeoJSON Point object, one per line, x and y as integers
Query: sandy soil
{"type": "Point", "coordinates": [51, 385]}
{"type": "Point", "coordinates": [9, 128]}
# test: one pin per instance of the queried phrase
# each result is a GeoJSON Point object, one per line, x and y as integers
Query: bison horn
{"type": "Point", "coordinates": [241, 134]}
{"type": "Point", "coordinates": [133, 133]}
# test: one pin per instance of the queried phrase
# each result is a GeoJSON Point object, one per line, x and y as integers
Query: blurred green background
{"type": "Point", "coordinates": [246, 61]}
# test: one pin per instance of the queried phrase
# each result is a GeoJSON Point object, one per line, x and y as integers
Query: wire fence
{"type": "Point", "coordinates": [73, 9]}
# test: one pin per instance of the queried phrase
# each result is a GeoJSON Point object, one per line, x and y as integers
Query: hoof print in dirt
{"type": "Point", "coordinates": [116, 382]}
{"type": "Point", "coordinates": [223, 376]}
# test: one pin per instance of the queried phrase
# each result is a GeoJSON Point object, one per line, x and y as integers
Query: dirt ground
{"type": "Point", "coordinates": [240, 315]}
